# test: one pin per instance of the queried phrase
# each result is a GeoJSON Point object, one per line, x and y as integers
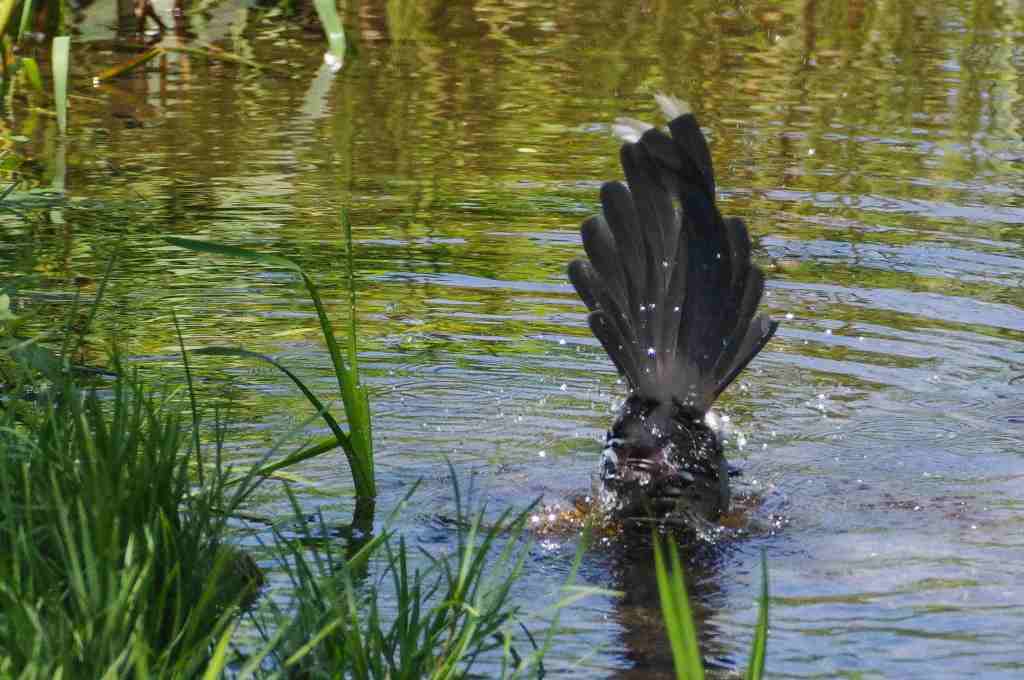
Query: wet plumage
{"type": "Point", "coordinates": [673, 298]}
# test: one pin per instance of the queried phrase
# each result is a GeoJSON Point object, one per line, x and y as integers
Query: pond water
{"type": "Point", "coordinates": [873, 148]}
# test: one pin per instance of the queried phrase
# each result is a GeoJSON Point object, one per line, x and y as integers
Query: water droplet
{"type": "Point", "coordinates": [561, 341]}
{"type": "Point", "coordinates": [542, 453]}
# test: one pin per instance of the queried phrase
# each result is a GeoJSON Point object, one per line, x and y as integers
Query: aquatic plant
{"type": "Point", "coordinates": [357, 442]}
{"type": "Point", "coordinates": [327, 11]}
{"type": "Point", "coordinates": [111, 556]}
{"type": "Point", "coordinates": [114, 556]}
{"type": "Point", "coordinates": [61, 61]}
{"type": "Point", "coordinates": [678, 617]}
{"type": "Point", "coordinates": [438, 620]}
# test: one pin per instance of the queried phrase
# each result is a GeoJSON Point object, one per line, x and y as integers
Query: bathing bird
{"type": "Point", "coordinates": [673, 298]}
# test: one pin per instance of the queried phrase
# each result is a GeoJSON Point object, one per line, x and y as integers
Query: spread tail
{"type": "Point", "coordinates": [672, 292]}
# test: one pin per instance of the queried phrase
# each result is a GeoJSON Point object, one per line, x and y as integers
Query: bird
{"type": "Point", "coordinates": [673, 299]}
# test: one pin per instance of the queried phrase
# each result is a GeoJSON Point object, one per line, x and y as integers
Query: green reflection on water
{"type": "Point", "coordinates": [873, 148]}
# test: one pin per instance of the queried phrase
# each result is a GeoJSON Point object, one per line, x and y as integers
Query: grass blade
{"type": "Point", "coordinates": [675, 607]}
{"type": "Point", "coordinates": [214, 53]}
{"type": "Point", "coordinates": [333, 29]}
{"type": "Point", "coordinates": [358, 442]}
{"type": "Point", "coordinates": [197, 449]}
{"type": "Point", "coordinates": [318, 449]}
{"type": "Point", "coordinates": [32, 73]}
{"type": "Point", "coordinates": [128, 66]}
{"type": "Point", "coordinates": [61, 60]}
{"type": "Point", "coordinates": [339, 434]}
{"type": "Point", "coordinates": [6, 9]}
{"type": "Point", "coordinates": [26, 18]}
{"type": "Point", "coordinates": [756, 668]}
{"type": "Point", "coordinates": [219, 661]}
{"type": "Point", "coordinates": [198, 246]}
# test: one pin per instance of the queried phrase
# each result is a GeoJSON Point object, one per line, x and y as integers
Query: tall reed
{"type": "Point", "coordinates": [357, 442]}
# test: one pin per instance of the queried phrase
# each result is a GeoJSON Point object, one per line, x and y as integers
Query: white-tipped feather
{"type": "Point", "coordinates": [672, 107]}
{"type": "Point", "coordinates": [630, 129]}
{"type": "Point", "coordinates": [680, 332]}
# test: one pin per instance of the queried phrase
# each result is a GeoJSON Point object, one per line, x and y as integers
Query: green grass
{"type": "Point", "coordinates": [115, 558]}
{"type": "Point", "coordinates": [357, 442]}
{"type": "Point", "coordinates": [61, 61]}
{"type": "Point", "coordinates": [111, 556]}
{"type": "Point", "coordinates": [116, 561]}
{"type": "Point", "coordinates": [327, 11]}
{"type": "Point", "coordinates": [682, 633]}
{"type": "Point", "coordinates": [115, 553]}
{"type": "Point", "coordinates": [372, 614]}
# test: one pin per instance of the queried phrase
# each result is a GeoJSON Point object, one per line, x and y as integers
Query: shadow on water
{"type": "Point", "coordinates": [874, 150]}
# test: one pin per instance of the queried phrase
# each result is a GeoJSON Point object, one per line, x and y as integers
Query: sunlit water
{"type": "Point", "coordinates": [875, 152]}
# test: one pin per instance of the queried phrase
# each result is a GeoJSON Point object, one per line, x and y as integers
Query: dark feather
{"type": "Point", "coordinates": [760, 332]}
{"type": "Point", "coordinates": [694, 155]}
{"type": "Point", "coordinates": [670, 284]}
{"type": "Point", "coordinates": [619, 334]}
{"type": "Point", "coordinates": [608, 334]}
{"type": "Point", "coordinates": [599, 244]}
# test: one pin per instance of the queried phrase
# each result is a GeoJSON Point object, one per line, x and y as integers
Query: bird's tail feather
{"type": "Point", "coordinates": [671, 289]}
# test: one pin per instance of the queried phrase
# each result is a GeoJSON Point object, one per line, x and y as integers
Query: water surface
{"type": "Point", "coordinates": [874, 150]}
